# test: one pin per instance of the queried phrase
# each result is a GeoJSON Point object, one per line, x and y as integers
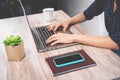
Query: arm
{"type": "Point", "coordinates": [97, 41]}
{"type": "Point", "coordinates": [77, 19]}
{"type": "Point", "coordinates": [94, 9]}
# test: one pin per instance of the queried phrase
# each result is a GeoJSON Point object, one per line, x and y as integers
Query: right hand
{"type": "Point", "coordinates": [55, 26]}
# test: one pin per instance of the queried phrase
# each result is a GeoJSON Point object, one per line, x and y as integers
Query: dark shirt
{"type": "Point", "coordinates": [112, 19]}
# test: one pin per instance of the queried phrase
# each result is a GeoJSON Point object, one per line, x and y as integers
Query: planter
{"type": "Point", "coordinates": [15, 53]}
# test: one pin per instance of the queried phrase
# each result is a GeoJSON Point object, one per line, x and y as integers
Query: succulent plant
{"type": "Point", "coordinates": [12, 40]}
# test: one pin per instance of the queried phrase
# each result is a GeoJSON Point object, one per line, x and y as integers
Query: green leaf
{"type": "Point", "coordinates": [13, 40]}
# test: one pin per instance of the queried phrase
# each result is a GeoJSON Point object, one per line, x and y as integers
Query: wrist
{"type": "Point", "coordinates": [69, 21]}
{"type": "Point", "coordinates": [79, 38]}
{"type": "Point", "coordinates": [75, 37]}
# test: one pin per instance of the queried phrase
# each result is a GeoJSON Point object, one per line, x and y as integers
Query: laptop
{"type": "Point", "coordinates": [41, 34]}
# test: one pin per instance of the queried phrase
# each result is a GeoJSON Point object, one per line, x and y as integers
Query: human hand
{"type": "Point", "coordinates": [60, 38]}
{"type": "Point", "coordinates": [55, 26]}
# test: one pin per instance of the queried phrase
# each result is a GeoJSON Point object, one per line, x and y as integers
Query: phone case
{"type": "Point", "coordinates": [68, 63]}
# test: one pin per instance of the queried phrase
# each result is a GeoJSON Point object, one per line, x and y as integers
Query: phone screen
{"type": "Point", "coordinates": [68, 59]}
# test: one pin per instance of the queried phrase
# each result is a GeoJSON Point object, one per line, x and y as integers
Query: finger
{"type": "Point", "coordinates": [65, 28]}
{"type": "Point", "coordinates": [54, 43]}
{"type": "Point", "coordinates": [51, 27]}
{"type": "Point", "coordinates": [53, 36]}
{"type": "Point", "coordinates": [51, 40]}
{"type": "Point", "coordinates": [55, 28]}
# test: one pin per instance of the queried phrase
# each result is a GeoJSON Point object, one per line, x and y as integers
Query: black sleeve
{"type": "Point", "coordinates": [115, 37]}
{"type": "Point", "coordinates": [94, 9]}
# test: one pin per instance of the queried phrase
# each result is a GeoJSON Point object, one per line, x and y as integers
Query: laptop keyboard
{"type": "Point", "coordinates": [44, 34]}
{"type": "Point", "coordinates": [41, 34]}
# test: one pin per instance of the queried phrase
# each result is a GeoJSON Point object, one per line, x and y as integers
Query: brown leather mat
{"type": "Point", "coordinates": [58, 71]}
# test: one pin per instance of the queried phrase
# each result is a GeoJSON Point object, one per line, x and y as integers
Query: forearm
{"type": "Point", "coordinates": [77, 19]}
{"type": "Point", "coordinates": [97, 41]}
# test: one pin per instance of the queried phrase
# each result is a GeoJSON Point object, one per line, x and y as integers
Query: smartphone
{"type": "Point", "coordinates": [68, 59]}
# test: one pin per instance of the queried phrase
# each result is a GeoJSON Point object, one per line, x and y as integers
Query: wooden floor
{"type": "Point", "coordinates": [34, 66]}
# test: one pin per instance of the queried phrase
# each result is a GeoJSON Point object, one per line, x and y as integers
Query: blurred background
{"type": "Point", "coordinates": [11, 8]}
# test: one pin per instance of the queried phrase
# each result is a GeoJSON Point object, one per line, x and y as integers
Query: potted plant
{"type": "Point", "coordinates": [14, 48]}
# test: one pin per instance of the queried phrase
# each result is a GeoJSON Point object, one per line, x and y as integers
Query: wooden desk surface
{"type": "Point", "coordinates": [34, 66]}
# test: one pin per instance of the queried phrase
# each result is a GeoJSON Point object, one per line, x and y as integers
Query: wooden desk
{"type": "Point", "coordinates": [34, 66]}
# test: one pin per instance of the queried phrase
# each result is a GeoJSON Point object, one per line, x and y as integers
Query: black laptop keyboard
{"type": "Point", "coordinates": [44, 34]}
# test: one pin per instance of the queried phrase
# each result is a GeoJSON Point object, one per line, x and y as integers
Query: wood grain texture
{"type": "Point", "coordinates": [34, 66]}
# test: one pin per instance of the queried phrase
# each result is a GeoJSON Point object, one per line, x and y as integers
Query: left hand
{"type": "Point", "coordinates": [60, 38]}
